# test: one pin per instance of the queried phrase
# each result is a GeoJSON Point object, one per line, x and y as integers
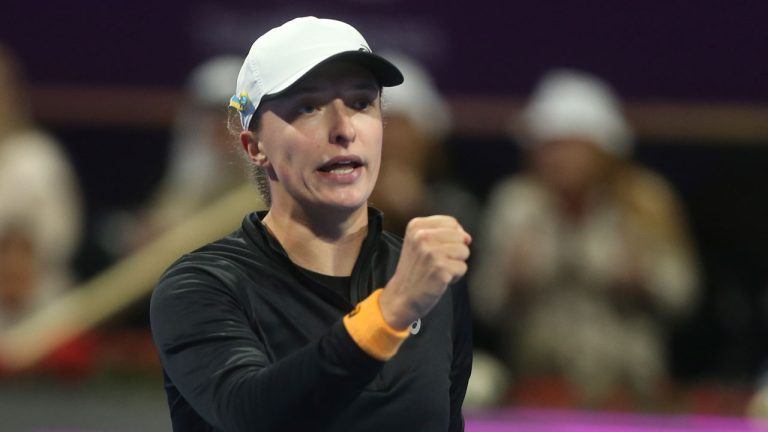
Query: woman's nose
{"type": "Point", "coordinates": [341, 129]}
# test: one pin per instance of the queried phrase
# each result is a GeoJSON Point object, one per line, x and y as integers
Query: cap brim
{"type": "Point", "coordinates": [385, 73]}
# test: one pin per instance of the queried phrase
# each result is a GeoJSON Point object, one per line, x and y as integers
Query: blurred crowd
{"type": "Point", "coordinates": [582, 263]}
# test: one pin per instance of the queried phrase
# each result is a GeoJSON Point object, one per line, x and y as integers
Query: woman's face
{"type": "Point", "coordinates": [320, 142]}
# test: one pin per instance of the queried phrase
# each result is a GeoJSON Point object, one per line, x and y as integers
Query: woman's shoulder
{"type": "Point", "coordinates": [647, 189]}
{"type": "Point", "coordinates": [225, 255]}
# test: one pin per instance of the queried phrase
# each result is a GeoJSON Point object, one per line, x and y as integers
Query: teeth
{"type": "Point", "coordinates": [342, 170]}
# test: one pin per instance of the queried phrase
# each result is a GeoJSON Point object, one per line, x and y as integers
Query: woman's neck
{"type": "Point", "coordinates": [327, 244]}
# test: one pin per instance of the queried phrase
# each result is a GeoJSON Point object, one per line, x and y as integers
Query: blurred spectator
{"type": "Point", "coordinates": [413, 181]}
{"type": "Point", "coordinates": [40, 205]}
{"type": "Point", "coordinates": [201, 159]}
{"type": "Point", "coordinates": [203, 164]}
{"type": "Point", "coordinates": [585, 259]}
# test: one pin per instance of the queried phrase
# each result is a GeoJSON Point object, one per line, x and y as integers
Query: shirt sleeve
{"type": "Point", "coordinates": [462, 353]}
{"type": "Point", "coordinates": [221, 366]}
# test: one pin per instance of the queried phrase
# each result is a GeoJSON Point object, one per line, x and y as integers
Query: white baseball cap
{"type": "Point", "coordinates": [283, 55]}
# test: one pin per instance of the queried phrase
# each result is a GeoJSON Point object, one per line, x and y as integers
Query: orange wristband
{"type": "Point", "coordinates": [371, 332]}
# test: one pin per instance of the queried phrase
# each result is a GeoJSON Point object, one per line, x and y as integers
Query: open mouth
{"type": "Point", "coordinates": [340, 166]}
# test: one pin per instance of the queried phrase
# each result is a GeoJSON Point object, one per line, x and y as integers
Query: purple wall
{"type": "Point", "coordinates": [704, 50]}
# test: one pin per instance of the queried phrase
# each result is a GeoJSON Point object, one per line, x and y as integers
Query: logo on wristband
{"type": "Point", "coordinates": [415, 326]}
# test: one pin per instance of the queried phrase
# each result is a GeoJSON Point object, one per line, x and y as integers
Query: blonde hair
{"type": "Point", "coordinates": [255, 172]}
{"type": "Point", "coordinates": [650, 203]}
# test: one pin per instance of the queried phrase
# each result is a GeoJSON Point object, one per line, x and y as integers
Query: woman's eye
{"type": "Point", "coordinates": [362, 104]}
{"type": "Point", "coordinates": [307, 109]}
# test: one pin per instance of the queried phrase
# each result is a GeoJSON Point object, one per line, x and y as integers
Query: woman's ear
{"type": "Point", "coordinates": [253, 148]}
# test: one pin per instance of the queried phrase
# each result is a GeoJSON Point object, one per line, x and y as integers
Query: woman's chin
{"type": "Point", "coordinates": [345, 202]}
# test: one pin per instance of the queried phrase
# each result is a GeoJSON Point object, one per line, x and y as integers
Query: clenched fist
{"type": "Point", "coordinates": [434, 255]}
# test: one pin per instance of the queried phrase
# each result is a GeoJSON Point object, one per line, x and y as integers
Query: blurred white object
{"type": "Point", "coordinates": [417, 98]}
{"type": "Point", "coordinates": [488, 383]}
{"type": "Point", "coordinates": [211, 83]}
{"type": "Point", "coordinates": [40, 199]}
{"type": "Point", "coordinates": [203, 162]}
{"type": "Point", "coordinates": [570, 104]}
{"type": "Point", "coordinates": [195, 162]}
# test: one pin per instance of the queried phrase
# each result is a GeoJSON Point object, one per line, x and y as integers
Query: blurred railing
{"type": "Point", "coordinates": [473, 115]}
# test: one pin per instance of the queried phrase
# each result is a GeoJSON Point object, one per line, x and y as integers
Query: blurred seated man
{"type": "Point", "coordinates": [413, 180]}
{"type": "Point", "coordinates": [585, 258]}
{"type": "Point", "coordinates": [40, 214]}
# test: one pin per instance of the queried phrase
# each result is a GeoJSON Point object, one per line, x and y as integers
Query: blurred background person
{"type": "Point", "coordinates": [202, 163]}
{"type": "Point", "coordinates": [201, 156]}
{"type": "Point", "coordinates": [414, 180]}
{"type": "Point", "coordinates": [584, 259]}
{"type": "Point", "coordinates": [40, 205]}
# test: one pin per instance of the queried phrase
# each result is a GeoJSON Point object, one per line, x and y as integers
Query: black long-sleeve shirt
{"type": "Point", "coordinates": [251, 342]}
